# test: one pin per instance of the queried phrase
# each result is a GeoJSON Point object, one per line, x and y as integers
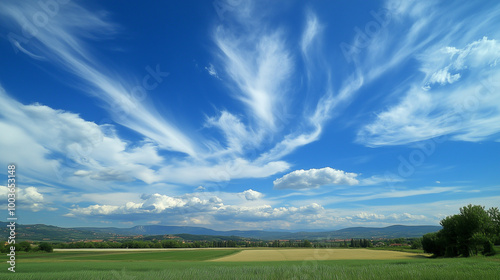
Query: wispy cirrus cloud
{"type": "Point", "coordinates": [257, 61]}
{"type": "Point", "coordinates": [462, 103]}
{"type": "Point", "coordinates": [459, 69]}
{"type": "Point", "coordinates": [211, 71]}
{"type": "Point", "coordinates": [62, 40]}
{"type": "Point", "coordinates": [319, 87]}
{"type": "Point", "coordinates": [260, 65]}
{"type": "Point", "coordinates": [283, 90]}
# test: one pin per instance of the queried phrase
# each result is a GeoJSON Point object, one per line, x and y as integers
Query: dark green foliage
{"type": "Point", "coordinates": [47, 247]}
{"type": "Point", "coordinates": [361, 243]}
{"type": "Point", "coordinates": [307, 244]}
{"type": "Point", "coordinates": [176, 242]}
{"type": "Point", "coordinates": [416, 244]}
{"type": "Point", "coordinates": [24, 246]}
{"type": "Point", "coordinates": [431, 243]}
{"type": "Point", "coordinates": [469, 233]}
{"type": "Point", "coordinates": [3, 248]}
{"type": "Point", "coordinates": [489, 249]}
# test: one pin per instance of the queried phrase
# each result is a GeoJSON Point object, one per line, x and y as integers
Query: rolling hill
{"type": "Point", "coordinates": [40, 232]}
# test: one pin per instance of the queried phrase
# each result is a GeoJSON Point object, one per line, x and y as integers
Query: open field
{"type": "Point", "coordinates": [199, 264]}
{"type": "Point", "coordinates": [316, 254]}
{"type": "Point", "coordinates": [137, 249]}
{"type": "Point", "coordinates": [129, 255]}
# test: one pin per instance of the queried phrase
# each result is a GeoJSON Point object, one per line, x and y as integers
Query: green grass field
{"type": "Point", "coordinates": [194, 264]}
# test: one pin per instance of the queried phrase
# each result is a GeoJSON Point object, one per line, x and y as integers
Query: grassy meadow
{"type": "Point", "coordinates": [245, 264]}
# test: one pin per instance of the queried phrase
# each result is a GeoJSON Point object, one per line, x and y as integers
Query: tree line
{"type": "Point", "coordinates": [26, 246]}
{"type": "Point", "coordinates": [360, 243]}
{"type": "Point", "coordinates": [473, 231]}
{"type": "Point", "coordinates": [183, 243]}
{"type": "Point", "coordinates": [172, 243]}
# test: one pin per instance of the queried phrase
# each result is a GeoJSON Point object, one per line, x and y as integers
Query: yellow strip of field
{"type": "Point", "coordinates": [316, 254]}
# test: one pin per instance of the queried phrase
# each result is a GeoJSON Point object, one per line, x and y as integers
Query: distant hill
{"type": "Point", "coordinates": [159, 230]}
{"type": "Point", "coordinates": [385, 232]}
{"type": "Point", "coordinates": [41, 232]}
{"type": "Point", "coordinates": [354, 232]}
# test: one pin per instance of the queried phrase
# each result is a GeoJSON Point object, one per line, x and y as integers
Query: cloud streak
{"type": "Point", "coordinates": [258, 62]}
{"type": "Point", "coordinates": [457, 98]}
{"type": "Point", "coordinates": [459, 69]}
{"type": "Point", "coordinates": [62, 40]}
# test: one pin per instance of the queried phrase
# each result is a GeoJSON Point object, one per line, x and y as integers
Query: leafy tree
{"type": "Point", "coordinates": [399, 240]}
{"type": "Point", "coordinates": [24, 246]}
{"type": "Point", "coordinates": [489, 249]}
{"type": "Point", "coordinates": [47, 247]}
{"type": "Point", "coordinates": [474, 220]}
{"type": "Point", "coordinates": [369, 244]}
{"type": "Point", "coordinates": [494, 214]}
{"type": "Point", "coordinates": [307, 243]}
{"type": "Point", "coordinates": [3, 248]}
{"type": "Point", "coordinates": [431, 243]}
{"type": "Point", "coordinates": [416, 244]}
{"type": "Point", "coordinates": [448, 237]}
{"type": "Point", "coordinates": [468, 233]}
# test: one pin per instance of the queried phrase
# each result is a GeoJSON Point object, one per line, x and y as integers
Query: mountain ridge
{"type": "Point", "coordinates": [38, 232]}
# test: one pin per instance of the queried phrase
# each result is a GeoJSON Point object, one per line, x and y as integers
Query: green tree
{"type": "Point", "coordinates": [47, 247]}
{"type": "Point", "coordinates": [307, 243]}
{"type": "Point", "coordinates": [3, 248]}
{"type": "Point", "coordinates": [468, 233]}
{"type": "Point", "coordinates": [416, 243]}
{"type": "Point", "coordinates": [432, 243]}
{"type": "Point", "coordinates": [24, 246]}
{"type": "Point", "coordinates": [494, 214]}
{"type": "Point", "coordinates": [473, 219]}
{"type": "Point", "coordinates": [489, 249]}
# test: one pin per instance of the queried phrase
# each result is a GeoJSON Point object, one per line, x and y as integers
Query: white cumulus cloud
{"type": "Point", "coordinates": [252, 195]}
{"type": "Point", "coordinates": [314, 178]}
{"type": "Point", "coordinates": [26, 198]}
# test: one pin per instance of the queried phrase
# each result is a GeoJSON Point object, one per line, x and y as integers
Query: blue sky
{"type": "Point", "coordinates": [249, 115]}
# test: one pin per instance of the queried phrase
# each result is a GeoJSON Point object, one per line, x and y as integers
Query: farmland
{"type": "Point", "coordinates": [316, 254]}
{"type": "Point", "coordinates": [247, 264]}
